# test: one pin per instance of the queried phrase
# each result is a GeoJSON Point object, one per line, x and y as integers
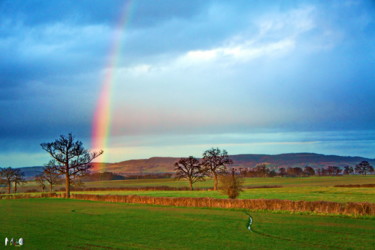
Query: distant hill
{"type": "Point", "coordinates": [31, 172]}
{"type": "Point", "coordinates": [165, 164]}
{"type": "Point", "coordinates": [151, 165]}
{"type": "Point", "coordinates": [297, 160]}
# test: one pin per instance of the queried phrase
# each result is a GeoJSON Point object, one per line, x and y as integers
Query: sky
{"type": "Point", "coordinates": [248, 76]}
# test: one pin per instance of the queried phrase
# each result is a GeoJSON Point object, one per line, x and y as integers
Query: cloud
{"type": "Point", "coordinates": [192, 67]}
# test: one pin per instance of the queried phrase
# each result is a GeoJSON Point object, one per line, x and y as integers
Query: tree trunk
{"type": "Point", "coordinates": [15, 187]}
{"type": "Point", "coordinates": [67, 185]}
{"type": "Point", "coordinates": [215, 181]}
{"type": "Point", "coordinates": [50, 187]}
{"type": "Point", "coordinates": [191, 184]}
{"type": "Point", "coordinates": [9, 186]}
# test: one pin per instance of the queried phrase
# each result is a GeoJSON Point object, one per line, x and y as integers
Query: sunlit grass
{"type": "Point", "coordinates": [307, 188]}
{"type": "Point", "coordinates": [73, 224]}
{"type": "Point", "coordinates": [287, 193]}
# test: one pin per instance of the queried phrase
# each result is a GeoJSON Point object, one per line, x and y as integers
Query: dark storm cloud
{"type": "Point", "coordinates": [52, 55]}
{"type": "Point", "coordinates": [287, 65]}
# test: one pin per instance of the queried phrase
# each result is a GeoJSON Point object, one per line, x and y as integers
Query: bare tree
{"type": "Point", "coordinates": [190, 169]}
{"type": "Point", "coordinates": [70, 158]}
{"type": "Point", "coordinates": [7, 175]}
{"type": "Point", "coordinates": [363, 167]}
{"type": "Point", "coordinates": [333, 170]}
{"type": "Point", "coordinates": [39, 179]}
{"type": "Point", "coordinates": [214, 162]}
{"type": "Point", "coordinates": [297, 171]}
{"type": "Point", "coordinates": [231, 184]}
{"type": "Point", "coordinates": [18, 178]}
{"type": "Point", "coordinates": [348, 170]}
{"type": "Point", "coordinates": [282, 172]}
{"type": "Point", "coordinates": [261, 170]}
{"type": "Point", "coordinates": [309, 171]}
{"type": "Point", "coordinates": [51, 175]}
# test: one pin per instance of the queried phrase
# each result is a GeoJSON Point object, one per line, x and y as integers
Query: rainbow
{"type": "Point", "coordinates": [101, 124]}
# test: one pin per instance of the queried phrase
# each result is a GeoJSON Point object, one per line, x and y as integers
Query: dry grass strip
{"type": "Point", "coordinates": [321, 207]}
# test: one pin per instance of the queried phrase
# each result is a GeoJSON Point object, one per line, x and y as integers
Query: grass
{"type": "Point", "coordinates": [292, 182]}
{"type": "Point", "coordinates": [67, 224]}
{"type": "Point", "coordinates": [285, 182]}
{"type": "Point", "coordinates": [308, 189]}
{"type": "Point", "coordinates": [288, 193]}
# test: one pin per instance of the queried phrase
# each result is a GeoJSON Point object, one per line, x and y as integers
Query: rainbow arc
{"type": "Point", "coordinates": [101, 125]}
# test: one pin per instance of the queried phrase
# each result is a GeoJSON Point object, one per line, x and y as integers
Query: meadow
{"type": "Point", "coordinates": [304, 188]}
{"type": "Point", "coordinates": [250, 182]}
{"type": "Point", "coordinates": [65, 224]}
{"type": "Point", "coordinates": [287, 193]}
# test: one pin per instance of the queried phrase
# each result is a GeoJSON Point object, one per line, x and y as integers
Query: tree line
{"type": "Point", "coordinates": [261, 170]}
{"type": "Point", "coordinates": [10, 176]}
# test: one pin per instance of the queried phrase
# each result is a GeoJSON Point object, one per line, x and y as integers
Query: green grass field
{"type": "Point", "coordinates": [285, 182]}
{"type": "Point", "coordinates": [287, 193]}
{"type": "Point", "coordinates": [73, 224]}
{"type": "Point", "coordinates": [290, 182]}
{"type": "Point", "coordinates": [309, 189]}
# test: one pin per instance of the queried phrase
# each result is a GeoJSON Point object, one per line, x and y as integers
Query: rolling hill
{"type": "Point", "coordinates": [165, 164]}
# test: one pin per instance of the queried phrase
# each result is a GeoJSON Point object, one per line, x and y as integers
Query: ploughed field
{"type": "Point", "coordinates": [48, 223]}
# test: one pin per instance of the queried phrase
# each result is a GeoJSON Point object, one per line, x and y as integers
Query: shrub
{"type": "Point", "coordinates": [231, 185]}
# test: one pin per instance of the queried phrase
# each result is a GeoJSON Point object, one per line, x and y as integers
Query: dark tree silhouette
{"type": "Point", "coordinates": [348, 170]}
{"type": "Point", "coordinates": [282, 171]}
{"type": "Point", "coordinates": [39, 179]}
{"type": "Point", "coordinates": [333, 170]}
{"type": "Point", "coordinates": [297, 171]}
{"type": "Point", "coordinates": [364, 167]}
{"type": "Point", "coordinates": [50, 175]}
{"type": "Point", "coordinates": [309, 171]}
{"type": "Point", "coordinates": [214, 162]}
{"type": "Point", "coordinates": [18, 178]}
{"type": "Point", "coordinates": [261, 170]}
{"type": "Point", "coordinates": [7, 175]}
{"type": "Point", "coordinates": [231, 184]}
{"type": "Point", "coordinates": [70, 158]}
{"type": "Point", "coordinates": [190, 169]}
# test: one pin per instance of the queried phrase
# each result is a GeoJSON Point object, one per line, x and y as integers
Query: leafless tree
{"type": "Point", "coordinates": [18, 178]}
{"type": "Point", "coordinates": [262, 170]}
{"type": "Point", "coordinates": [70, 158]}
{"type": "Point", "coordinates": [333, 170]}
{"type": "Point", "coordinates": [39, 179]}
{"type": "Point", "coordinates": [189, 169]}
{"type": "Point", "coordinates": [215, 161]}
{"type": "Point", "coordinates": [348, 170]}
{"type": "Point", "coordinates": [50, 175]}
{"type": "Point", "coordinates": [282, 172]}
{"type": "Point", "coordinates": [364, 167]}
{"type": "Point", "coordinates": [309, 171]}
{"type": "Point", "coordinates": [297, 171]}
{"type": "Point", "coordinates": [7, 175]}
